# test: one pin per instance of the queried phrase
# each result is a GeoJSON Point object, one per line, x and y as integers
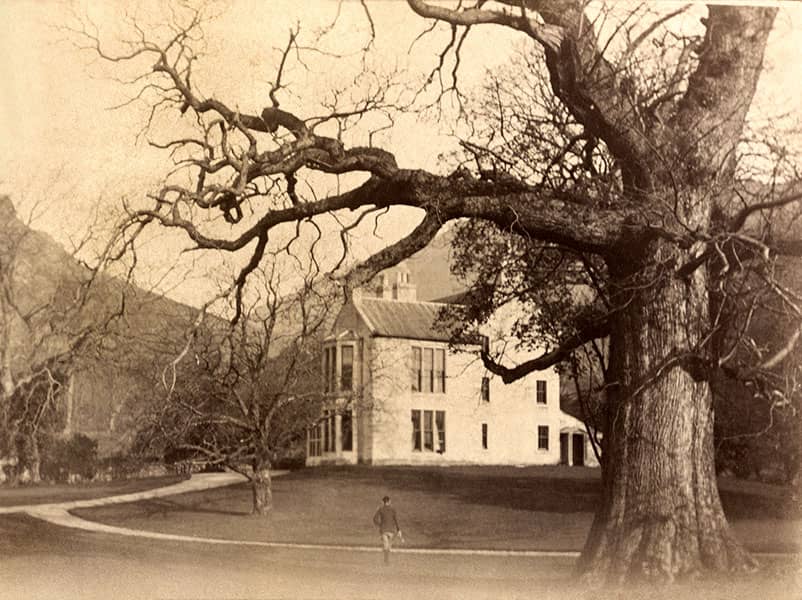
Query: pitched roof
{"type": "Point", "coordinates": [393, 318]}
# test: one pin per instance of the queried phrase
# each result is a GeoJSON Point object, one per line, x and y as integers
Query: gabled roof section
{"type": "Point", "coordinates": [409, 320]}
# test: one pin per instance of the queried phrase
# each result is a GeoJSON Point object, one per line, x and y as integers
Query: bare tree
{"type": "Point", "coordinates": [255, 385]}
{"type": "Point", "coordinates": [651, 188]}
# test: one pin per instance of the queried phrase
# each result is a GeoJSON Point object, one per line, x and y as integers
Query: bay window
{"type": "Point", "coordinates": [338, 368]}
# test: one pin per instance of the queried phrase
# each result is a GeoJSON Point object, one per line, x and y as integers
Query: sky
{"type": "Point", "coordinates": [65, 151]}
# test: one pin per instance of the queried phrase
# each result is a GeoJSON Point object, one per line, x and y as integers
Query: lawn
{"type": "Point", "coordinates": [537, 508]}
{"type": "Point", "coordinates": [45, 493]}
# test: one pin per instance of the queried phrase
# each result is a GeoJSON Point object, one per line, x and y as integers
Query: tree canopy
{"type": "Point", "coordinates": [615, 153]}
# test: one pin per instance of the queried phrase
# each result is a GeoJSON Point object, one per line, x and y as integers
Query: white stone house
{"type": "Point", "coordinates": [399, 394]}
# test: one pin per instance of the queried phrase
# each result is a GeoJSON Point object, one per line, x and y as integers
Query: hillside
{"type": "Point", "coordinates": [114, 378]}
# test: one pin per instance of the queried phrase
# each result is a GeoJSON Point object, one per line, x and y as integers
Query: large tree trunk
{"type": "Point", "coordinates": [262, 488]}
{"type": "Point", "coordinates": [661, 516]}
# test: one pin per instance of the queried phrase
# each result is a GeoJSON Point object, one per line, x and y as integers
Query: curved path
{"type": "Point", "coordinates": [59, 514]}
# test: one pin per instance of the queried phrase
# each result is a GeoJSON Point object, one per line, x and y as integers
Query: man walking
{"type": "Point", "coordinates": [387, 522]}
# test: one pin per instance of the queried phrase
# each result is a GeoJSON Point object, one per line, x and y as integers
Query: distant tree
{"type": "Point", "coordinates": [249, 390]}
{"type": "Point", "coordinates": [636, 174]}
{"type": "Point", "coordinates": [759, 420]}
{"type": "Point", "coordinates": [51, 315]}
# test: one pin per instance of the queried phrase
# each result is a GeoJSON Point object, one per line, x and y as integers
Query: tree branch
{"type": "Point", "coordinates": [597, 329]}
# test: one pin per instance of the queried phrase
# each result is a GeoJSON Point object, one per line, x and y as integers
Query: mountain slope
{"type": "Point", "coordinates": [112, 379]}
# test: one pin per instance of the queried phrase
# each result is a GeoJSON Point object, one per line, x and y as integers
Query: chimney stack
{"type": "Point", "coordinates": [403, 289]}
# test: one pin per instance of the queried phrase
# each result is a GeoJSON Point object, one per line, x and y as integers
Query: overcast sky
{"type": "Point", "coordinates": [59, 140]}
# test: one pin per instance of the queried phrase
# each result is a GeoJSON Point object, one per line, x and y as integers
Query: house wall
{"type": "Point", "coordinates": [512, 414]}
{"type": "Point", "coordinates": [384, 400]}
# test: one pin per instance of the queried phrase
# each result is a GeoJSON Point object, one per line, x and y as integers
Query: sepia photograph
{"type": "Point", "coordinates": [398, 299]}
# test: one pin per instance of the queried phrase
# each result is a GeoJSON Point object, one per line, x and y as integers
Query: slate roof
{"type": "Point", "coordinates": [410, 320]}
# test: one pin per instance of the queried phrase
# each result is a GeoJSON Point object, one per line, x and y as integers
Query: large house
{"type": "Point", "coordinates": [399, 393]}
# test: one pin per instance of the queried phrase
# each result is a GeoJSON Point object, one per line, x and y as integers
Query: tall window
{"type": "Point", "coordinates": [428, 363]}
{"type": "Point", "coordinates": [484, 436]}
{"type": "Point", "coordinates": [347, 367]}
{"type": "Point", "coordinates": [347, 429]}
{"type": "Point", "coordinates": [338, 377]}
{"type": "Point", "coordinates": [541, 391]}
{"type": "Point", "coordinates": [429, 430]}
{"type": "Point", "coordinates": [428, 370]}
{"type": "Point", "coordinates": [417, 374]}
{"type": "Point", "coordinates": [314, 440]}
{"type": "Point", "coordinates": [416, 431]}
{"type": "Point", "coordinates": [439, 370]}
{"type": "Point", "coordinates": [332, 426]}
{"type": "Point", "coordinates": [440, 423]}
{"type": "Point", "coordinates": [330, 368]}
{"type": "Point", "coordinates": [325, 426]}
{"type": "Point", "coordinates": [542, 437]}
{"type": "Point", "coordinates": [326, 369]}
{"type": "Point", "coordinates": [485, 389]}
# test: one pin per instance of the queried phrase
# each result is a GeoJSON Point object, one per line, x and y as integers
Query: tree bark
{"type": "Point", "coordinates": [661, 516]}
{"type": "Point", "coordinates": [262, 489]}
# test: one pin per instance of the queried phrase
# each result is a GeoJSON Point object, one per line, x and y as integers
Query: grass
{"type": "Point", "coordinates": [44, 561]}
{"type": "Point", "coordinates": [45, 493]}
{"type": "Point", "coordinates": [537, 508]}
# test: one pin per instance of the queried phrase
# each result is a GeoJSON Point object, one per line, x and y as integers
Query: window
{"type": "Point", "coordinates": [439, 371]}
{"type": "Point", "coordinates": [330, 368]}
{"type": "Point", "coordinates": [428, 370]}
{"type": "Point", "coordinates": [428, 426]}
{"type": "Point", "coordinates": [347, 429]}
{"type": "Point", "coordinates": [326, 431]}
{"type": "Point", "coordinates": [484, 436]}
{"type": "Point", "coordinates": [428, 373]}
{"type": "Point", "coordinates": [485, 389]}
{"type": "Point", "coordinates": [428, 430]}
{"type": "Point", "coordinates": [328, 426]}
{"type": "Point", "coordinates": [326, 369]}
{"type": "Point", "coordinates": [332, 425]}
{"type": "Point", "coordinates": [416, 445]}
{"type": "Point", "coordinates": [541, 391]}
{"type": "Point", "coordinates": [542, 437]}
{"type": "Point", "coordinates": [347, 368]}
{"type": "Point", "coordinates": [416, 370]}
{"type": "Point", "coordinates": [440, 423]}
{"type": "Point", "coordinates": [314, 440]}
{"type": "Point", "coordinates": [333, 370]}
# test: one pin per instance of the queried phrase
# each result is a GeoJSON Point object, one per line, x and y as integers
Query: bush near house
{"type": "Point", "coordinates": [71, 459]}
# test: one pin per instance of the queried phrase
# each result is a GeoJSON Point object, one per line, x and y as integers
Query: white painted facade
{"type": "Point", "coordinates": [509, 424]}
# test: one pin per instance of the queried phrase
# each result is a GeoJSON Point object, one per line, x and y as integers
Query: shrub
{"type": "Point", "coordinates": [69, 458]}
